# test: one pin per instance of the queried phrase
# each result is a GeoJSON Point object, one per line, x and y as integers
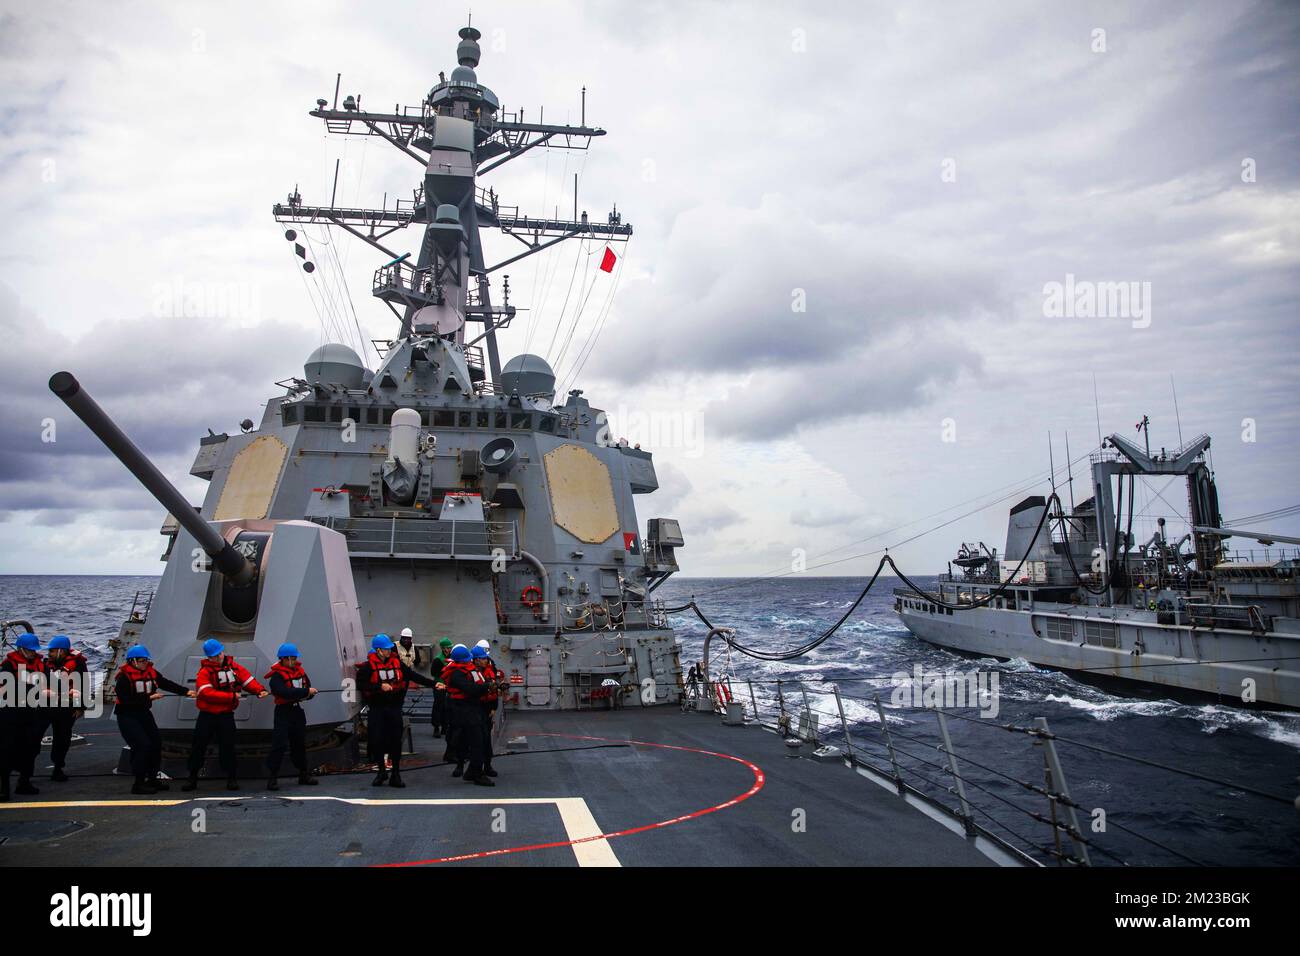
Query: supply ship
{"type": "Point", "coordinates": [1075, 591]}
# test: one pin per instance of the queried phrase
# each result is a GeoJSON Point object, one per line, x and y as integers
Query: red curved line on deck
{"type": "Point", "coordinates": [759, 780]}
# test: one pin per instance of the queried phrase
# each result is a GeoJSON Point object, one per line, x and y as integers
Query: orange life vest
{"type": "Point", "coordinates": [294, 676]}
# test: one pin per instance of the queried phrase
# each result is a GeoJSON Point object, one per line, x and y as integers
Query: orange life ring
{"type": "Point", "coordinates": [534, 601]}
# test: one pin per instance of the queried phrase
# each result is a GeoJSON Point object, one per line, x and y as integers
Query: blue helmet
{"type": "Point", "coordinates": [137, 652]}
{"type": "Point", "coordinates": [460, 653]}
{"type": "Point", "coordinates": [287, 650]}
{"type": "Point", "coordinates": [478, 653]}
{"type": "Point", "coordinates": [381, 642]}
{"type": "Point", "coordinates": [60, 642]}
{"type": "Point", "coordinates": [212, 647]}
{"type": "Point", "coordinates": [28, 642]}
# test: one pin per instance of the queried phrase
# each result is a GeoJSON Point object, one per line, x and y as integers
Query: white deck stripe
{"type": "Point", "coordinates": [579, 824]}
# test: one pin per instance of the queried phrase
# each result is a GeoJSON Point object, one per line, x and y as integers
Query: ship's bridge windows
{"type": "Point", "coordinates": [313, 413]}
{"type": "Point", "coordinates": [521, 421]}
{"type": "Point", "coordinates": [289, 414]}
{"type": "Point", "coordinates": [336, 414]}
{"type": "Point", "coordinates": [387, 415]}
{"type": "Point", "coordinates": [546, 423]}
{"type": "Point", "coordinates": [501, 421]}
{"type": "Point", "coordinates": [464, 419]}
{"type": "Point", "coordinates": [482, 419]}
{"type": "Point", "coordinates": [354, 413]}
{"type": "Point", "coordinates": [444, 418]}
{"type": "Point", "coordinates": [372, 415]}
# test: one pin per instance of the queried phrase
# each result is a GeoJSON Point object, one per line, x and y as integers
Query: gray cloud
{"type": "Point", "coordinates": [165, 382]}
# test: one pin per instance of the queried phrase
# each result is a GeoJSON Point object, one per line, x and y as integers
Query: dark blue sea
{"type": "Point", "coordinates": [1151, 816]}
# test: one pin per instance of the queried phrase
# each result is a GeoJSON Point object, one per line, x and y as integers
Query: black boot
{"type": "Point", "coordinates": [190, 785]}
{"type": "Point", "coordinates": [58, 776]}
{"type": "Point", "coordinates": [396, 779]}
{"type": "Point", "coordinates": [272, 783]}
{"type": "Point", "coordinates": [481, 780]}
{"type": "Point", "coordinates": [157, 784]}
{"type": "Point", "coordinates": [142, 789]}
{"type": "Point", "coordinates": [460, 769]}
{"type": "Point", "coordinates": [25, 787]}
{"type": "Point", "coordinates": [488, 771]}
{"type": "Point", "coordinates": [381, 778]}
{"type": "Point", "coordinates": [306, 779]}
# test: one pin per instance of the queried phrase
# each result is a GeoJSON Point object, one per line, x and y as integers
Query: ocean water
{"type": "Point", "coordinates": [1167, 814]}
{"type": "Point", "coordinates": [1151, 816]}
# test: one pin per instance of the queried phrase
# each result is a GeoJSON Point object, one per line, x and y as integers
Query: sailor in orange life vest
{"type": "Point", "coordinates": [466, 686]}
{"type": "Point", "coordinates": [496, 684]}
{"type": "Point", "coordinates": [137, 686]}
{"type": "Point", "coordinates": [23, 715]}
{"type": "Point", "coordinates": [67, 673]}
{"type": "Point", "coordinates": [290, 687]}
{"type": "Point", "coordinates": [382, 680]}
{"type": "Point", "coordinates": [217, 690]}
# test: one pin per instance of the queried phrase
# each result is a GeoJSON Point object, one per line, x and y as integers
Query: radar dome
{"type": "Point", "coordinates": [528, 375]}
{"type": "Point", "coordinates": [335, 364]}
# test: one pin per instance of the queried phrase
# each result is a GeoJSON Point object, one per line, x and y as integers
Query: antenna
{"type": "Point", "coordinates": [1069, 470]}
{"type": "Point", "coordinates": [1051, 464]}
{"type": "Point", "coordinates": [1096, 403]}
{"type": "Point", "coordinates": [1177, 417]}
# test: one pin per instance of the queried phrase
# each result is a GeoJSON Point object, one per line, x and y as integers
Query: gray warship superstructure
{"type": "Point", "coordinates": [1075, 591]}
{"type": "Point", "coordinates": [442, 490]}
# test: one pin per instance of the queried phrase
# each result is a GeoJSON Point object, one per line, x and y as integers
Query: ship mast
{"type": "Point", "coordinates": [458, 133]}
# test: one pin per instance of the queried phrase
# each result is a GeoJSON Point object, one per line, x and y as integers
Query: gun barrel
{"type": "Point", "coordinates": [225, 558]}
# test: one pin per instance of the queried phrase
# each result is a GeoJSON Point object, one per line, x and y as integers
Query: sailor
{"type": "Point", "coordinates": [406, 648]}
{"type": "Point", "coordinates": [290, 686]}
{"type": "Point", "coordinates": [439, 713]}
{"type": "Point", "coordinates": [490, 699]}
{"type": "Point", "coordinates": [68, 675]}
{"type": "Point", "coordinates": [383, 680]}
{"type": "Point", "coordinates": [136, 687]}
{"type": "Point", "coordinates": [465, 688]}
{"type": "Point", "coordinates": [220, 684]}
{"type": "Point", "coordinates": [22, 713]}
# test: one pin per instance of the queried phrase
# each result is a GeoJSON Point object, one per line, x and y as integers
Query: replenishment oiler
{"type": "Point", "coordinates": [1076, 591]}
{"type": "Point", "coordinates": [458, 495]}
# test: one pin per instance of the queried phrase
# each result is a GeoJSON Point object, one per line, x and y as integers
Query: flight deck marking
{"type": "Point", "coordinates": [759, 780]}
{"type": "Point", "coordinates": [580, 826]}
{"type": "Point", "coordinates": [590, 848]}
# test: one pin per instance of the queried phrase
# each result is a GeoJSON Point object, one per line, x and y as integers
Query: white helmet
{"type": "Point", "coordinates": [407, 632]}
{"type": "Point", "coordinates": [484, 644]}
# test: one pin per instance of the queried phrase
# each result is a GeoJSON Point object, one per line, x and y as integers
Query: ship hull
{"type": "Point", "coordinates": [1235, 667]}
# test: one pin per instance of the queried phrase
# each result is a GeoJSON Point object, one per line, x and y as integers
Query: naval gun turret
{"type": "Point", "coordinates": [252, 583]}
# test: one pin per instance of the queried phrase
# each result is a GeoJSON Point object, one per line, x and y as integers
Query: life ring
{"type": "Point", "coordinates": [534, 601]}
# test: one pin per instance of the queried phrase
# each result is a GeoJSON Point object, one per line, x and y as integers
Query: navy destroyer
{"type": "Point", "coordinates": [1075, 590]}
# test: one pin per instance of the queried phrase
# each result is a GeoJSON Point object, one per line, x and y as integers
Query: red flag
{"type": "Point", "coordinates": [607, 263]}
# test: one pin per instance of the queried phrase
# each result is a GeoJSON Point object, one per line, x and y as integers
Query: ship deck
{"type": "Point", "coordinates": [637, 787]}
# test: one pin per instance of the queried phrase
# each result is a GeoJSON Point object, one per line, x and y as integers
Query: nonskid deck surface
{"type": "Point", "coordinates": [633, 788]}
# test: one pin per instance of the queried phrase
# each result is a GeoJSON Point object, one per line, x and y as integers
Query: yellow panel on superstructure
{"type": "Point", "coordinates": [253, 477]}
{"type": "Point", "coordinates": [582, 495]}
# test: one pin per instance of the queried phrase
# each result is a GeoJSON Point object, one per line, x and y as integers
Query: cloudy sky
{"type": "Point", "coordinates": [832, 324]}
